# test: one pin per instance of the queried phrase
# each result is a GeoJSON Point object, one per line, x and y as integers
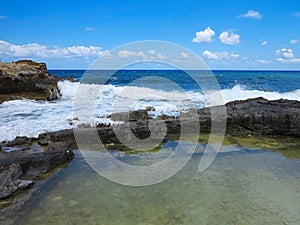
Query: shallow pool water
{"type": "Point", "coordinates": [241, 186]}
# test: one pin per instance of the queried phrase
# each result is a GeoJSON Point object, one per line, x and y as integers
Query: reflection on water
{"type": "Point", "coordinates": [240, 187]}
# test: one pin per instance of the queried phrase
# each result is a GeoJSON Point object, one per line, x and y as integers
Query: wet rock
{"type": "Point", "coordinates": [27, 79]}
{"type": "Point", "coordinates": [150, 109]}
{"type": "Point", "coordinates": [10, 181]}
{"type": "Point", "coordinates": [131, 116]}
{"type": "Point", "coordinates": [19, 141]}
{"type": "Point", "coordinates": [260, 116]}
{"type": "Point", "coordinates": [40, 156]}
{"type": "Point", "coordinates": [43, 142]}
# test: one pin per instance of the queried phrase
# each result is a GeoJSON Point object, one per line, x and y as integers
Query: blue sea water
{"type": "Point", "coordinates": [269, 81]}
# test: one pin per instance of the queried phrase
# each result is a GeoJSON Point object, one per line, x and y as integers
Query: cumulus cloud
{"type": "Point", "coordinates": [204, 36]}
{"type": "Point", "coordinates": [34, 50]}
{"type": "Point", "coordinates": [264, 43]}
{"type": "Point", "coordinates": [152, 52]}
{"type": "Point", "coordinates": [251, 14]}
{"type": "Point", "coordinates": [161, 56]}
{"type": "Point", "coordinates": [285, 55]}
{"type": "Point", "coordinates": [229, 38]}
{"type": "Point", "coordinates": [150, 55]}
{"type": "Point", "coordinates": [294, 41]}
{"type": "Point", "coordinates": [184, 55]}
{"type": "Point", "coordinates": [128, 54]}
{"type": "Point", "coordinates": [219, 55]}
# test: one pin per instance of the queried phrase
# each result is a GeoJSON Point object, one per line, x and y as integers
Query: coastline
{"type": "Point", "coordinates": [25, 160]}
{"type": "Point", "coordinates": [37, 156]}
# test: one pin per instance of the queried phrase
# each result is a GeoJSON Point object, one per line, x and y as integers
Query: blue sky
{"type": "Point", "coordinates": [231, 34]}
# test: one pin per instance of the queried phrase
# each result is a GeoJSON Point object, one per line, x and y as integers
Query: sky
{"type": "Point", "coordinates": [231, 34]}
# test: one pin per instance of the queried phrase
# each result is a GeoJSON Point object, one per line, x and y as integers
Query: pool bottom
{"type": "Point", "coordinates": [240, 187]}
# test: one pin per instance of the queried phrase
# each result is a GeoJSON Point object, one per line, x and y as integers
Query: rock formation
{"type": "Point", "coordinates": [27, 79]}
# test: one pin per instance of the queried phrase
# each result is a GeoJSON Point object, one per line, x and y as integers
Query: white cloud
{"type": "Point", "coordinates": [128, 54]}
{"type": "Point", "coordinates": [161, 57]}
{"type": "Point", "coordinates": [2, 17]}
{"type": "Point", "coordinates": [263, 61]}
{"type": "Point", "coordinates": [152, 55]}
{"type": "Point", "coordinates": [280, 59]}
{"type": "Point", "coordinates": [296, 60]}
{"type": "Point", "coordinates": [294, 41]}
{"type": "Point", "coordinates": [251, 14]}
{"type": "Point", "coordinates": [184, 55]}
{"type": "Point", "coordinates": [89, 28]}
{"type": "Point", "coordinates": [286, 56]}
{"type": "Point", "coordinates": [34, 50]}
{"type": "Point", "coordinates": [285, 53]}
{"type": "Point", "coordinates": [152, 52]}
{"type": "Point", "coordinates": [229, 38]}
{"type": "Point", "coordinates": [264, 43]}
{"type": "Point", "coordinates": [219, 55]}
{"type": "Point", "coordinates": [204, 36]}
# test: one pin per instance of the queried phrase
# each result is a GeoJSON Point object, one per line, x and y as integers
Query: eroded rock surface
{"type": "Point", "coordinates": [27, 79]}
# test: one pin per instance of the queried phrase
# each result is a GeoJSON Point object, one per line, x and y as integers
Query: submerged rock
{"type": "Point", "coordinates": [27, 79]}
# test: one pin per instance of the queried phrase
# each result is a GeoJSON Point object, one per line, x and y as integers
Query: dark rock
{"type": "Point", "coordinates": [43, 142]}
{"type": "Point", "coordinates": [166, 117]}
{"type": "Point", "coordinates": [71, 79]}
{"type": "Point", "coordinates": [131, 116]}
{"type": "Point", "coordinates": [10, 181]}
{"type": "Point", "coordinates": [43, 154]}
{"type": "Point", "coordinates": [260, 116]}
{"type": "Point", "coordinates": [27, 79]}
{"type": "Point", "coordinates": [252, 116]}
{"type": "Point", "coordinates": [150, 109]}
{"type": "Point", "coordinates": [19, 141]}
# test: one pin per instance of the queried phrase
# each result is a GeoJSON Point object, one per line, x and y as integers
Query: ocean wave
{"type": "Point", "coordinates": [30, 118]}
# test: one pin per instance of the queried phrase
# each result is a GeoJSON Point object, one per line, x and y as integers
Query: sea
{"type": "Point", "coordinates": [168, 91]}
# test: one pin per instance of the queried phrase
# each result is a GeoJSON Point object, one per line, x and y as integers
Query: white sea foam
{"type": "Point", "coordinates": [30, 118]}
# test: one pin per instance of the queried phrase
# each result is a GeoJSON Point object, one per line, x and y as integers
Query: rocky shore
{"type": "Point", "coordinates": [24, 160]}
{"type": "Point", "coordinates": [30, 157]}
{"type": "Point", "coordinates": [27, 79]}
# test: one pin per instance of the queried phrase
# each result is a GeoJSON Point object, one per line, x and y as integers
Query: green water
{"type": "Point", "coordinates": [241, 187]}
